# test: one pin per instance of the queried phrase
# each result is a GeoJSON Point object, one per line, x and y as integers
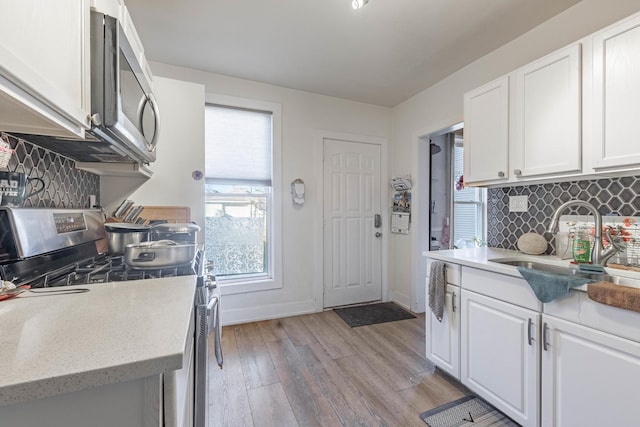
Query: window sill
{"type": "Point", "coordinates": [242, 286]}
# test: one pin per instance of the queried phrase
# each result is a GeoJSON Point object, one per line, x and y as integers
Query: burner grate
{"type": "Point", "coordinates": [102, 269]}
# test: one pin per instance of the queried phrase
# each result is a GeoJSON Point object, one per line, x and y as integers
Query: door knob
{"type": "Point", "coordinates": [378, 234]}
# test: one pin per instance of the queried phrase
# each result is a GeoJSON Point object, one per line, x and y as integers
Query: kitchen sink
{"type": "Point", "coordinates": [569, 271]}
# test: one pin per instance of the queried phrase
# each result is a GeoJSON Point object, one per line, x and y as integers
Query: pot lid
{"type": "Point", "coordinates": [176, 228]}
{"type": "Point", "coordinates": [123, 227]}
{"type": "Point", "coordinates": [159, 244]}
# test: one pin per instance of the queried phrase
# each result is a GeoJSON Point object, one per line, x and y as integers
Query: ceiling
{"type": "Point", "coordinates": [382, 54]}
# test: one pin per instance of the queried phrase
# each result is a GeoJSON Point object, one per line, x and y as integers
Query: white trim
{"type": "Point", "coordinates": [275, 261]}
{"type": "Point", "coordinates": [265, 312]}
{"type": "Point", "coordinates": [249, 284]}
{"type": "Point", "coordinates": [401, 299]}
{"type": "Point", "coordinates": [318, 151]}
{"type": "Point", "coordinates": [420, 207]}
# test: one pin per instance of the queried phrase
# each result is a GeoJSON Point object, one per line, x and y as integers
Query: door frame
{"type": "Point", "coordinates": [421, 164]}
{"type": "Point", "coordinates": [318, 234]}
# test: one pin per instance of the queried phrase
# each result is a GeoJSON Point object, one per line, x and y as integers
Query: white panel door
{"type": "Point", "coordinates": [589, 378]}
{"type": "Point", "coordinates": [500, 359]}
{"type": "Point", "coordinates": [352, 248]}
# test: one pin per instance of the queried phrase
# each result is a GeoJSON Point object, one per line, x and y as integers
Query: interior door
{"type": "Point", "coordinates": [352, 236]}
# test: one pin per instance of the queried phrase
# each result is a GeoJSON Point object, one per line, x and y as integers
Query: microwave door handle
{"type": "Point", "coordinates": [140, 110]}
{"type": "Point", "coordinates": [148, 98]}
{"type": "Point", "coordinates": [156, 120]}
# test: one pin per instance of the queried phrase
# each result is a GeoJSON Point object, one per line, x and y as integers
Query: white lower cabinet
{"type": "Point", "coordinates": [589, 377]}
{"type": "Point", "coordinates": [500, 357]}
{"type": "Point", "coordinates": [564, 368]}
{"type": "Point", "coordinates": [443, 338]}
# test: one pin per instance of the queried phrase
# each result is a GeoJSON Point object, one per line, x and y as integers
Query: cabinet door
{"type": "Point", "coordinates": [500, 358]}
{"type": "Point", "coordinates": [616, 95]}
{"type": "Point", "coordinates": [486, 133]}
{"type": "Point", "coordinates": [443, 338]}
{"type": "Point", "coordinates": [589, 377]}
{"type": "Point", "coordinates": [45, 71]}
{"type": "Point", "coordinates": [547, 117]}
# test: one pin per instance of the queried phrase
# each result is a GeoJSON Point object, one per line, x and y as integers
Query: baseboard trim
{"type": "Point", "coordinates": [266, 312]}
{"type": "Point", "coordinates": [401, 299]}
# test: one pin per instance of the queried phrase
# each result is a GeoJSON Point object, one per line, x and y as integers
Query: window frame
{"type": "Point", "coordinates": [254, 282]}
{"type": "Point", "coordinates": [480, 202]}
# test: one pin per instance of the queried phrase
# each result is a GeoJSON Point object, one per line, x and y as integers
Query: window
{"type": "Point", "coordinates": [468, 207]}
{"type": "Point", "coordinates": [241, 207]}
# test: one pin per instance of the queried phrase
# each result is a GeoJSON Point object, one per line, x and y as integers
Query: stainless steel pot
{"type": "Point", "coordinates": [181, 232]}
{"type": "Point", "coordinates": [159, 254]}
{"type": "Point", "coordinates": [122, 234]}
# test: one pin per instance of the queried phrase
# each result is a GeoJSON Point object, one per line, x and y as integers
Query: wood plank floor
{"type": "Point", "coordinates": [314, 370]}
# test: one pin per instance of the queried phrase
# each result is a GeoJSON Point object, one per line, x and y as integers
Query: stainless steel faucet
{"type": "Point", "coordinates": [599, 255]}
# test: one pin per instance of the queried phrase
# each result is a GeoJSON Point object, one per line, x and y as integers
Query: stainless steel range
{"type": "Point", "coordinates": [45, 248]}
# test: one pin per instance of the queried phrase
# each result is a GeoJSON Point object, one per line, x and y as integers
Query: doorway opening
{"type": "Point", "coordinates": [457, 214]}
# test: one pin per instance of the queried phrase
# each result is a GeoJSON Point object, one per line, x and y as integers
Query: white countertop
{"type": "Point", "coordinates": [116, 332]}
{"type": "Point", "coordinates": [483, 258]}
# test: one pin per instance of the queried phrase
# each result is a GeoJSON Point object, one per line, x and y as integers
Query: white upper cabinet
{"type": "Point", "coordinates": [526, 125]}
{"type": "Point", "coordinates": [547, 120]}
{"type": "Point", "coordinates": [45, 69]}
{"type": "Point", "coordinates": [486, 133]}
{"type": "Point", "coordinates": [616, 95]}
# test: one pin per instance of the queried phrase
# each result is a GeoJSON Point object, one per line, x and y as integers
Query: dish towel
{"type": "Point", "coordinates": [437, 288]}
{"type": "Point", "coordinates": [549, 286]}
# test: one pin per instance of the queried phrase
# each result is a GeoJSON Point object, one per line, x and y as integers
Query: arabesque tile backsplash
{"type": "Point", "coordinates": [608, 195]}
{"type": "Point", "coordinates": [65, 186]}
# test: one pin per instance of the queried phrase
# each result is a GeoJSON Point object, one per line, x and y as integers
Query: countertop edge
{"type": "Point", "coordinates": [127, 366]}
{"type": "Point", "coordinates": [479, 258]}
{"type": "Point", "coordinates": [48, 387]}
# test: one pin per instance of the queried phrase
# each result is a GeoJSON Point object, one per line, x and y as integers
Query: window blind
{"type": "Point", "coordinates": [467, 220]}
{"type": "Point", "coordinates": [238, 145]}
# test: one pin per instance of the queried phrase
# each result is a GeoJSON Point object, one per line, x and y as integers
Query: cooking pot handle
{"type": "Point", "coordinates": [145, 257]}
{"type": "Point", "coordinates": [163, 243]}
{"type": "Point", "coordinates": [156, 243]}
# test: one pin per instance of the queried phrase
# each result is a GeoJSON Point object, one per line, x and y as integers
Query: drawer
{"type": "Point", "coordinates": [452, 272]}
{"type": "Point", "coordinates": [578, 308]}
{"type": "Point", "coordinates": [510, 289]}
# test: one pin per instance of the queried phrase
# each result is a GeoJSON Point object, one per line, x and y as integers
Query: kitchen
{"type": "Point", "coordinates": [428, 111]}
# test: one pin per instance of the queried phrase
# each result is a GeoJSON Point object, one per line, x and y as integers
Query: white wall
{"type": "Point", "coordinates": [303, 115]}
{"type": "Point", "coordinates": [179, 152]}
{"type": "Point", "coordinates": [440, 106]}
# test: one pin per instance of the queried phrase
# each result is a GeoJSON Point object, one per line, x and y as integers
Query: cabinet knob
{"type": "Point", "coordinates": [517, 172]}
{"type": "Point", "coordinates": [500, 174]}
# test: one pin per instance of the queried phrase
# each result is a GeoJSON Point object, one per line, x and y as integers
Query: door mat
{"type": "Point", "coordinates": [466, 411]}
{"type": "Point", "coordinates": [370, 314]}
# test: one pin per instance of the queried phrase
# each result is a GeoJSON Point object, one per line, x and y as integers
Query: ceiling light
{"type": "Point", "coordinates": [357, 4]}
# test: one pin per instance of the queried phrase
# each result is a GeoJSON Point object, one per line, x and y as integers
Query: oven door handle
{"type": "Point", "coordinates": [213, 325]}
{"type": "Point", "coordinates": [212, 307]}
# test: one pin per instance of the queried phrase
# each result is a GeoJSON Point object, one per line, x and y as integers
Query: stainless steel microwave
{"type": "Point", "coordinates": [124, 113]}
